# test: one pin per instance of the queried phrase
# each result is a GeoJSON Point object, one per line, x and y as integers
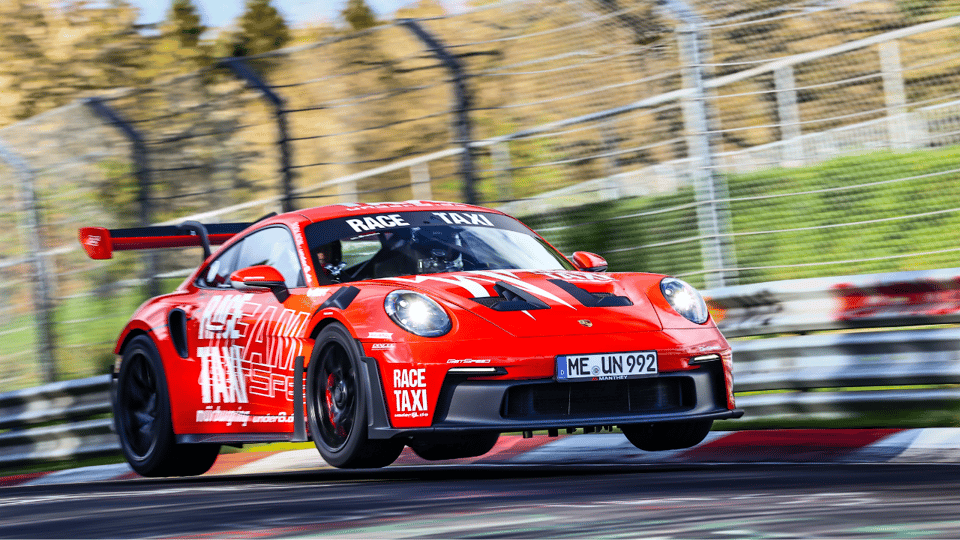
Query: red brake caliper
{"type": "Point", "coordinates": [331, 414]}
{"type": "Point", "coordinates": [331, 381]}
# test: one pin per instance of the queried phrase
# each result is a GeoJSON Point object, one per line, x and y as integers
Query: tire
{"type": "Point", "coordinates": [667, 435]}
{"type": "Point", "coordinates": [142, 418]}
{"type": "Point", "coordinates": [337, 405]}
{"type": "Point", "coordinates": [464, 446]}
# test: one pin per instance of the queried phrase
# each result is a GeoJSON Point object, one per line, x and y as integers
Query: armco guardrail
{"type": "Point", "coordinates": [847, 364]}
{"type": "Point", "coordinates": [844, 363]}
{"type": "Point", "coordinates": [837, 303]}
{"type": "Point", "coordinates": [57, 421]}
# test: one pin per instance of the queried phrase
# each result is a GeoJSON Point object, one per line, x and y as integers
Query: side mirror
{"type": "Point", "coordinates": [589, 262]}
{"type": "Point", "coordinates": [261, 277]}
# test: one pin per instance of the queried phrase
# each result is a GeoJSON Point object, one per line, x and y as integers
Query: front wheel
{"type": "Point", "coordinates": [667, 435]}
{"type": "Point", "coordinates": [142, 418]}
{"type": "Point", "coordinates": [336, 404]}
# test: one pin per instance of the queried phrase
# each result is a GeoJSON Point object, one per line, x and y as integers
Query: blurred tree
{"type": "Point", "coordinates": [178, 50]}
{"type": "Point", "coordinates": [359, 15]}
{"type": "Point", "coordinates": [262, 29]}
{"type": "Point", "coordinates": [185, 20]}
{"type": "Point", "coordinates": [53, 52]}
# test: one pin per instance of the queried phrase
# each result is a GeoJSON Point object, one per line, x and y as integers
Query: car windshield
{"type": "Point", "coordinates": [408, 243]}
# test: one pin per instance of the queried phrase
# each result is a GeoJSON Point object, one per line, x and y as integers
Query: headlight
{"type": "Point", "coordinates": [685, 300]}
{"type": "Point", "coordinates": [417, 313]}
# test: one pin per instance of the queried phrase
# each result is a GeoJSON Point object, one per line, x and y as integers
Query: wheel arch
{"type": "Point", "coordinates": [129, 334]}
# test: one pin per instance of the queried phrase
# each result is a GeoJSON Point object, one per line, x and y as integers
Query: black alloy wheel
{"type": "Point", "coordinates": [337, 400]}
{"type": "Point", "coordinates": [142, 417]}
{"type": "Point", "coordinates": [138, 406]}
{"type": "Point", "coordinates": [336, 404]}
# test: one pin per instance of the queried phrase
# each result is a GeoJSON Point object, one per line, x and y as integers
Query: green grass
{"type": "Point", "coordinates": [880, 188]}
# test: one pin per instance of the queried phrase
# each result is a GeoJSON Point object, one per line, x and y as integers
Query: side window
{"type": "Point", "coordinates": [218, 273]}
{"type": "Point", "coordinates": [273, 247]}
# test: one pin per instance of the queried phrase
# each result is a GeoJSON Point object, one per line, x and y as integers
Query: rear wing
{"type": "Point", "coordinates": [100, 243]}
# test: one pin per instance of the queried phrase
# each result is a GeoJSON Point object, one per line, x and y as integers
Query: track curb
{"type": "Point", "coordinates": [926, 445]}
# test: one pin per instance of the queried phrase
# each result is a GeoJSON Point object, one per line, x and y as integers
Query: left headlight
{"type": "Point", "coordinates": [417, 313]}
{"type": "Point", "coordinates": [685, 300]}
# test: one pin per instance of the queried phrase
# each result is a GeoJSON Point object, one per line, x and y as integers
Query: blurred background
{"type": "Point", "coordinates": [728, 143]}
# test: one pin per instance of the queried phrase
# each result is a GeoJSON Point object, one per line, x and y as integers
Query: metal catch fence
{"type": "Point", "coordinates": [728, 143]}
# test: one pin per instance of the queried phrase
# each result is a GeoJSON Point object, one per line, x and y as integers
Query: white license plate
{"type": "Point", "coordinates": [607, 366]}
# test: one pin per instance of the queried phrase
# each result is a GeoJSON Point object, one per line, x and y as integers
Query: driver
{"type": "Point", "coordinates": [329, 259]}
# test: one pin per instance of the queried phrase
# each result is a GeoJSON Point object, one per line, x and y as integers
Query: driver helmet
{"type": "Point", "coordinates": [439, 249]}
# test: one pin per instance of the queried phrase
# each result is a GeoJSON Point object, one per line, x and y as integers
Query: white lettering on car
{"type": "Point", "coordinates": [371, 223]}
{"type": "Point", "coordinates": [410, 390]}
{"type": "Point", "coordinates": [231, 372]}
{"type": "Point", "coordinates": [221, 376]}
{"type": "Point", "coordinates": [457, 218]}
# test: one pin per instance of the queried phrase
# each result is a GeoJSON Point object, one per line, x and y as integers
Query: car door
{"type": "Point", "coordinates": [248, 340]}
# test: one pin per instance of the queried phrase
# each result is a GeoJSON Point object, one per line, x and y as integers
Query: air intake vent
{"type": "Point", "coordinates": [590, 299]}
{"type": "Point", "coordinates": [510, 298]}
{"type": "Point", "coordinates": [583, 399]}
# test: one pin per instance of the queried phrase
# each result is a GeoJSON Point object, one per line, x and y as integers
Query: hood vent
{"type": "Point", "coordinates": [590, 299]}
{"type": "Point", "coordinates": [511, 298]}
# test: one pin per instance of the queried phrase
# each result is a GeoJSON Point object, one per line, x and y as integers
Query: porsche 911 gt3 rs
{"type": "Point", "coordinates": [371, 327]}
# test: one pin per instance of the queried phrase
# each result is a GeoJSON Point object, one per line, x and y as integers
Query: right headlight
{"type": "Point", "coordinates": [417, 313]}
{"type": "Point", "coordinates": [685, 300]}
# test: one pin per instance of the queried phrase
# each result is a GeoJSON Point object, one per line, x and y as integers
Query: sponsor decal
{"type": "Point", "coordinates": [382, 346]}
{"type": "Point", "coordinates": [222, 317]}
{"type": "Point", "coordinates": [567, 275]}
{"type": "Point", "coordinates": [305, 264]}
{"type": "Point", "coordinates": [372, 223]}
{"type": "Point", "coordinates": [211, 415]}
{"type": "Point", "coordinates": [380, 335]}
{"type": "Point", "coordinates": [93, 241]}
{"type": "Point", "coordinates": [458, 218]}
{"type": "Point", "coordinates": [410, 392]}
{"type": "Point", "coordinates": [316, 292]}
{"type": "Point", "coordinates": [469, 361]}
{"type": "Point", "coordinates": [221, 376]}
{"type": "Point", "coordinates": [414, 205]}
{"type": "Point", "coordinates": [248, 349]}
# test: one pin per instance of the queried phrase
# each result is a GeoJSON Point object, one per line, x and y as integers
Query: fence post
{"type": "Point", "coordinates": [789, 116]}
{"type": "Point", "coordinates": [243, 71]}
{"type": "Point", "coordinates": [712, 218]}
{"type": "Point", "coordinates": [500, 154]}
{"type": "Point", "coordinates": [462, 126]}
{"type": "Point", "coordinates": [43, 304]}
{"type": "Point", "coordinates": [142, 163]}
{"type": "Point", "coordinates": [420, 182]}
{"type": "Point", "coordinates": [895, 95]}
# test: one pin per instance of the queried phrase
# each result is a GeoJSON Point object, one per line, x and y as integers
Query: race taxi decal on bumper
{"type": "Point", "coordinates": [410, 393]}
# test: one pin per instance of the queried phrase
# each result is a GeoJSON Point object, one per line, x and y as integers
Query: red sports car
{"type": "Point", "coordinates": [370, 327]}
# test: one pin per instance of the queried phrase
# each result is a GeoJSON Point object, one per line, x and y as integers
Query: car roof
{"type": "Point", "coordinates": [322, 213]}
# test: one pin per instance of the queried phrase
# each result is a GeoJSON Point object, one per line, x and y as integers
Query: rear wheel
{"type": "Point", "coordinates": [142, 418]}
{"type": "Point", "coordinates": [455, 446]}
{"type": "Point", "coordinates": [667, 435]}
{"type": "Point", "coordinates": [337, 405]}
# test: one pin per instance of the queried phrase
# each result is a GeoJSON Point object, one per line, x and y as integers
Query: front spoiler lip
{"type": "Point", "coordinates": [543, 424]}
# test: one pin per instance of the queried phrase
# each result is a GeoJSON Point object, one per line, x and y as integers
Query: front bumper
{"type": "Point", "coordinates": [466, 405]}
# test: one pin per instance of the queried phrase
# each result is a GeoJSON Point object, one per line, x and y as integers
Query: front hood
{"type": "Point", "coordinates": [545, 303]}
